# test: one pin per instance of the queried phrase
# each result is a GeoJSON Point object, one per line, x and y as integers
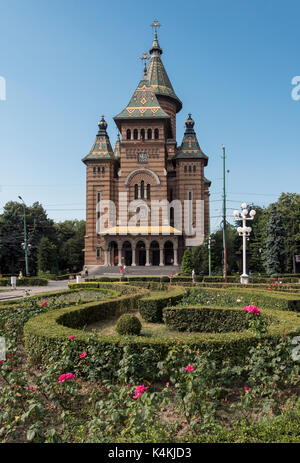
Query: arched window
{"type": "Point", "coordinates": [98, 170]}
{"type": "Point", "coordinates": [136, 191]}
{"type": "Point", "coordinates": [103, 170]}
{"type": "Point", "coordinates": [171, 195]}
{"type": "Point", "coordinates": [128, 134]}
{"type": "Point", "coordinates": [194, 169]}
{"type": "Point", "coordinates": [94, 170]}
{"type": "Point", "coordinates": [142, 189]}
{"type": "Point", "coordinates": [148, 190]}
{"type": "Point", "coordinates": [149, 134]}
{"type": "Point", "coordinates": [185, 169]}
{"type": "Point", "coordinates": [143, 134]}
{"type": "Point", "coordinates": [135, 134]}
{"type": "Point", "coordinates": [156, 134]}
{"type": "Point", "coordinates": [190, 168]}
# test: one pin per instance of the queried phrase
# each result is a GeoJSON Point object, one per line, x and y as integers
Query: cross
{"type": "Point", "coordinates": [144, 58]}
{"type": "Point", "coordinates": [155, 25]}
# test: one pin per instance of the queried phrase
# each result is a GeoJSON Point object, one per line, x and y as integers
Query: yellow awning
{"type": "Point", "coordinates": [141, 230]}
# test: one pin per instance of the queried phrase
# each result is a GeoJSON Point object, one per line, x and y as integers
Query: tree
{"type": "Point", "coordinates": [200, 259]}
{"type": "Point", "coordinates": [187, 262]}
{"type": "Point", "coordinates": [289, 207]}
{"type": "Point", "coordinates": [47, 256]}
{"type": "Point", "coordinates": [275, 253]}
{"type": "Point", "coordinates": [256, 243]}
{"type": "Point", "coordinates": [12, 258]}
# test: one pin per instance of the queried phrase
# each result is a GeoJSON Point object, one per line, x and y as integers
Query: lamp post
{"type": "Point", "coordinates": [25, 239]}
{"type": "Point", "coordinates": [244, 231]}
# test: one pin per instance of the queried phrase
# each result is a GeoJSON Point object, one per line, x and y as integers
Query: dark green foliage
{"type": "Point", "coordinates": [47, 256]}
{"type": "Point", "coordinates": [128, 324]}
{"type": "Point", "coordinates": [205, 319]}
{"type": "Point", "coordinates": [151, 307]}
{"type": "Point", "coordinates": [32, 281]}
{"type": "Point", "coordinates": [275, 253]}
{"type": "Point", "coordinates": [187, 263]}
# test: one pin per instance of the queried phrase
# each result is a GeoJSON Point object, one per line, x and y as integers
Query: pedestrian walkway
{"type": "Point", "coordinates": [25, 291]}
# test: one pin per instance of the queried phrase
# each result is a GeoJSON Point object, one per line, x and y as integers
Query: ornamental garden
{"type": "Point", "coordinates": [152, 360]}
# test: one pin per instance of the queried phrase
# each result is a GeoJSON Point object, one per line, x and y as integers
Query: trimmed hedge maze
{"type": "Point", "coordinates": [46, 333]}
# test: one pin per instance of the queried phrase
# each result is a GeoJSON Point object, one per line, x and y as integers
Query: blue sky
{"type": "Point", "coordinates": [67, 62]}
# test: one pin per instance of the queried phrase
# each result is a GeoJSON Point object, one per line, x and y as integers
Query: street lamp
{"type": "Point", "coordinates": [25, 239]}
{"type": "Point", "coordinates": [244, 231]}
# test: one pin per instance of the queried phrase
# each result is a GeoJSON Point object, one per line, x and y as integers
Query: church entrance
{"type": "Point", "coordinates": [169, 253]}
{"type": "Point", "coordinates": [141, 253]}
{"type": "Point", "coordinates": [127, 253]}
{"type": "Point", "coordinates": [154, 253]}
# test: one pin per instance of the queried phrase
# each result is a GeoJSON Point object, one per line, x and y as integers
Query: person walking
{"type": "Point", "coordinates": [193, 275]}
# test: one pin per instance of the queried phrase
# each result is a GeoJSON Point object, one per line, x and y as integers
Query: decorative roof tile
{"type": "Point", "coordinates": [143, 104]}
{"type": "Point", "coordinates": [101, 148]}
{"type": "Point", "coordinates": [190, 147]}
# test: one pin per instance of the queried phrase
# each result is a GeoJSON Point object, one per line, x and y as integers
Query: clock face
{"type": "Point", "coordinates": [142, 157]}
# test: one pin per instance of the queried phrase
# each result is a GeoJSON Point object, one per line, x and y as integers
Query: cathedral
{"type": "Point", "coordinates": [152, 193]}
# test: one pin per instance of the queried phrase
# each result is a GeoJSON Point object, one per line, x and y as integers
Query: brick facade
{"type": "Point", "coordinates": [147, 165]}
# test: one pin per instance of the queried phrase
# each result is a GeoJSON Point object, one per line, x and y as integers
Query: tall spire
{"type": "Point", "coordinates": [157, 75]}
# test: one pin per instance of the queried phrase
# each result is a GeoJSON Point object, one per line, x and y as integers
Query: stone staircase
{"type": "Point", "coordinates": [99, 270]}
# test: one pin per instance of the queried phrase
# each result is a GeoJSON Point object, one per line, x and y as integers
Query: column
{"type": "Point", "coordinates": [106, 258]}
{"type": "Point", "coordinates": [147, 257]}
{"type": "Point", "coordinates": [119, 255]}
{"type": "Point", "coordinates": [175, 257]}
{"type": "Point", "coordinates": [161, 256]}
{"type": "Point", "coordinates": [133, 256]}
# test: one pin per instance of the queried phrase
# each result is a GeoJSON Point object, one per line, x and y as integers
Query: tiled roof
{"type": "Point", "coordinates": [157, 75]}
{"type": "Point", "coordinates": [143, 104]}
{"type": "Point", "coordinates": [101, 148]}
{"type": "Point", "coordinates": [190, 147]}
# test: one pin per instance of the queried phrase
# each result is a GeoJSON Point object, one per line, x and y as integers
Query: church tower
{"type": "Point", "coordinates": [146, 168]}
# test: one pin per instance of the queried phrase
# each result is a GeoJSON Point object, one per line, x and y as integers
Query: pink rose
{"type": "Point", "coordinates": [71, 337]}
{"type": "Point", "coordinates": [44, 303]}
{"type": "Point", "coordinates": [65, 377]}
{"type": "Point", "coordinates": [139, 391]}
{"type": "Point", "coordinates": [189, 368]}
{"type": "Point", "coordinates": [84, 354]}
{"type": "Point", "coordinates": [167, 384]}
{"type": "Point", "coordinates": [246, 388]}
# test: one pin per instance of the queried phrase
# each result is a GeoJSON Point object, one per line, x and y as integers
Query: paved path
{"type": "Point", "coordinates": [20, 291]}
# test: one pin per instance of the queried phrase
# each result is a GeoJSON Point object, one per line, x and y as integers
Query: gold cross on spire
{"type": "Point", "coordinates": [155, 25]}
{"type": "Point", "coordinates": [144, 58]}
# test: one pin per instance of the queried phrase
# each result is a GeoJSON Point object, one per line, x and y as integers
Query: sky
{"type": "Point", "coordinates": [65, 63]}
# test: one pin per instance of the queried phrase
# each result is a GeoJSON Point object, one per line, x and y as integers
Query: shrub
{"type": "Point", "coordinates": [128, 324]}
{"type": "Point", "coordinates": [187, 262]}
{"type": "Point", "coordinates": [26, 281]}
{"type": "Point", "coordinates": [234, 297]}
{"type": "Point", "coordinates": [151, 307]}
{"type": "Point", "coordinates": [205, 319]}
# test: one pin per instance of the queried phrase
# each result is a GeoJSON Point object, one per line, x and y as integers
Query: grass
{"type": "Point", "coordinates": [149, 330]}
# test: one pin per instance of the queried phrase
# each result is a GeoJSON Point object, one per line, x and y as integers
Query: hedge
{"type": "Point", "coordinates": [27, 281]}
{"type": "Point", "coordinates": [46, 333]}
{"type": "Point", "coordinates": [205, 319]}
{"type": "Point", "coordinates": [151, 307]}
{"type": "Point", "coordinates": [262, 299]}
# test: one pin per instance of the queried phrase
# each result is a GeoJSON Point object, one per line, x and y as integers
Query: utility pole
{"type": "Point", "coordinates": [25, 239]}
{"type": "Point", "coordinates": [224, 218]}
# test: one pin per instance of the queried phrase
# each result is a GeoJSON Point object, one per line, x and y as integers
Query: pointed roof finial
{"type": "Point", "coordinates": [155, 45]}
{"type": "Point", "coordinates": [155, 25]}
{"type": "Point", "coordinates": [144, 58]}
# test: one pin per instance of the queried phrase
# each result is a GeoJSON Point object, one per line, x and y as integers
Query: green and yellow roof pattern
{"type": "Point", "coordinates": [143, 104]}
{"type": "Point", "coordinates": [101, 148]}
